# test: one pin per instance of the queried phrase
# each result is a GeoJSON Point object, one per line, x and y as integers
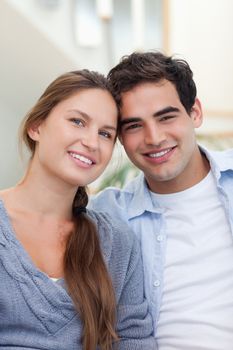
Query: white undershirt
{"type": "Point", "coordinates": [54, 279]}
{"type": "Point", "coordinates": [197, 303]}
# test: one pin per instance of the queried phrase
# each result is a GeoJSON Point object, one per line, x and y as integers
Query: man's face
{"type": "Point", "coordinates": [159, 138]}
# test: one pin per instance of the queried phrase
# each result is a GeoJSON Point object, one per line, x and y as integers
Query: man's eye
{"type": "Point", "coordinates": [105, 134]}
{"type": "Point", "coordinates": [77, 121]}
{"type": "Point", "coordinates": [166, 117]}
{"type": "Point", "coordinates": [131, 127]}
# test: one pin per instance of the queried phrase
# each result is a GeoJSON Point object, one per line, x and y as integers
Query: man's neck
{"type": "Point", "coordinates": [190, 177]}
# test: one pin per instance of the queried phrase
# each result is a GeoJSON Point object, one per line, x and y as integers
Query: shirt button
{"type": "Point", "coordinates": [160, 238]}
{"type": "Point", "coordinates": [156, 283]}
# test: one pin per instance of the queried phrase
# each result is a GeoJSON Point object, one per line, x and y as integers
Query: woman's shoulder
{"type": "Point", "coordinates": [114, 234]}
{"type": "Point", "coordinates": [114, 226]}
{"type": "Point", "coordinates": [121, 251]}
{"type": "Point", "coordinates": [3, 195]}
{"type": "Point", "coordinates": [5, 198]}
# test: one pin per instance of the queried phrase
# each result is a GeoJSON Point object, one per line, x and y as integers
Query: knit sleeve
{"type": "Point", "coordinates": [122, 254]}
{"type": "Point", "coordinates": [134, 323]}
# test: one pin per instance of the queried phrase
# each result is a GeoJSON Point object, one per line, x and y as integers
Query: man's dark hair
{"type": "Point", "coordinates": [144, 67]}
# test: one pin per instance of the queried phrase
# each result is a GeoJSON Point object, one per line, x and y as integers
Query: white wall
{"type": "Point", "coordinates": [11, 167]}
{"type": "Point", "coordinates": [201, 31]}
{"type": "Point", "coordinates": [56, 25]}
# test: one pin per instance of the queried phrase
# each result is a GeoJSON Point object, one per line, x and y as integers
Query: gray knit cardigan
{"type": "Point", "coordinates": [37, 313]}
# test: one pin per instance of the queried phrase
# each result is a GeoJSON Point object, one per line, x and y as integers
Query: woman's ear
{"type": "Point", "coordinates": [196, 114]}
{"type": "Point", "coordinates": [34, 132]}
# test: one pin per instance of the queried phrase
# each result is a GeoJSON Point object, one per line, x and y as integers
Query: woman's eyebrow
{"type": "Point", "coordinates": [86, 116]}
{"type": "Point", "coordinates": [77, 111]}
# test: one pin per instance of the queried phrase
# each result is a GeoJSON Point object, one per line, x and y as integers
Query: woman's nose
{"type": "Point", "coordinates": [91, 139]}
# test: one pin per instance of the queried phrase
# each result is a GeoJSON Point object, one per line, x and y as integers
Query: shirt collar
{"type": "Point", "coordinates": [220, 161]}
{"type": "Point", "coordinates": [141, 198]}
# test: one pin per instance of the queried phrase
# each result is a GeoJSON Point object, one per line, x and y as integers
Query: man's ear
{"type": "Point", "coordinates": [196, 114]}
{"type": "Point", "coordinates": [34, 132]}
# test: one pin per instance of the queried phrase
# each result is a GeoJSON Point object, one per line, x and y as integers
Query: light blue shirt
{"type": "Point", "coordinates": [134, 205]}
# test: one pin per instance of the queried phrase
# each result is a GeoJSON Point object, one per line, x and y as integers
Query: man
{"type": "Point", "coordinates": [180, 206]}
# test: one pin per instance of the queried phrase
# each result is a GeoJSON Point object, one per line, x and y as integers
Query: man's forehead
{"type": "Point", "coordinates": [145, 84]}
{"type": "Point", "coordinates": [149, 94]}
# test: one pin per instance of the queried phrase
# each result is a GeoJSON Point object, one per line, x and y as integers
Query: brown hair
{"type": "Point", "coordinates": [141, 67]}
{"type": "Point", "coordinates": [86, 275]}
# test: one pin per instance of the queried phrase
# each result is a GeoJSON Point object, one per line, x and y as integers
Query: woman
{"type": "Point", "coordinates": [70, 279]}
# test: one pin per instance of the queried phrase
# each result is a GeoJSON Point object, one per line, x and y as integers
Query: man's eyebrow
{"type": "Point", "coordinates": [129, 120]}
{"type": "Point", "coordinates": [163, 111]}
{"type": "Point", "coordinates": [86, 116]}
{"type": "Point", "coordinates": [166, 110]}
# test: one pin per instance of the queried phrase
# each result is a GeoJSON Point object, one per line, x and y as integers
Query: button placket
{"type": "Point", "coordinates": [156, 283]}
{"type": "Point", "coordinates": [159, 238]}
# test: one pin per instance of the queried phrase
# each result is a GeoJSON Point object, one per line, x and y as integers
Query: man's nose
{"type": "Point", "coordinates": [154, 134]}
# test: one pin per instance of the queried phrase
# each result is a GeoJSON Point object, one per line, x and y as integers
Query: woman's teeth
{"type": "Point", "coordinates": [82, 158]}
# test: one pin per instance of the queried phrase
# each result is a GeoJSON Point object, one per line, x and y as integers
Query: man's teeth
{"type": "Point", "coordinates": [159, 154]}
{"type": "Point", "coordinates": [83, 159]}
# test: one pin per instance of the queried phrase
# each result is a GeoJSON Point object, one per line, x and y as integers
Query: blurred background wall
{"type": "Point", "coordinates": [40, 39]}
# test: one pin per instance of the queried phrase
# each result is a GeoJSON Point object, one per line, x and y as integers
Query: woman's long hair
{"type": "Point", "coordinates": [85, 272]}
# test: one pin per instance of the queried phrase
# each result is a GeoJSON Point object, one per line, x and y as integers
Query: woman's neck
{"type": "Point", "coordinates": [37, 193]}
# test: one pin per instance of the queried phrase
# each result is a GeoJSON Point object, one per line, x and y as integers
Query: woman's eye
{"type": "Point", "coordinates": [105, 134]}
{"type": "Point", "coordinates": [77, 121]}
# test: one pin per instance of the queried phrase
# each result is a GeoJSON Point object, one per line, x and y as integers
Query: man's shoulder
{"type": "Point", "coordinates": [221, 153]}
{"type": "Point", "coordinates": [223, 160]}
{"type": "Point", "coordinates": [113, 199]}
{"type": "Point", "coordinates": [111, 193]}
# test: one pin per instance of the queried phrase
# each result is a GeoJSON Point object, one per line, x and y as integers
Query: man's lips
{"type": "Point", "coordinates": [83, 158]}
{"type": "Point", "coordinates": [158, 154]}
{"type": "Point", "coordinates": [161, 155]}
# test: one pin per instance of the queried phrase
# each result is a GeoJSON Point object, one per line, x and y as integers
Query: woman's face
{"type": "Point", "coordinates": [75, 143]}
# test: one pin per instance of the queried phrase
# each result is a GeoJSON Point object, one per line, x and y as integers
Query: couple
{"type": "Point", "coordinates": [57, 256]}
